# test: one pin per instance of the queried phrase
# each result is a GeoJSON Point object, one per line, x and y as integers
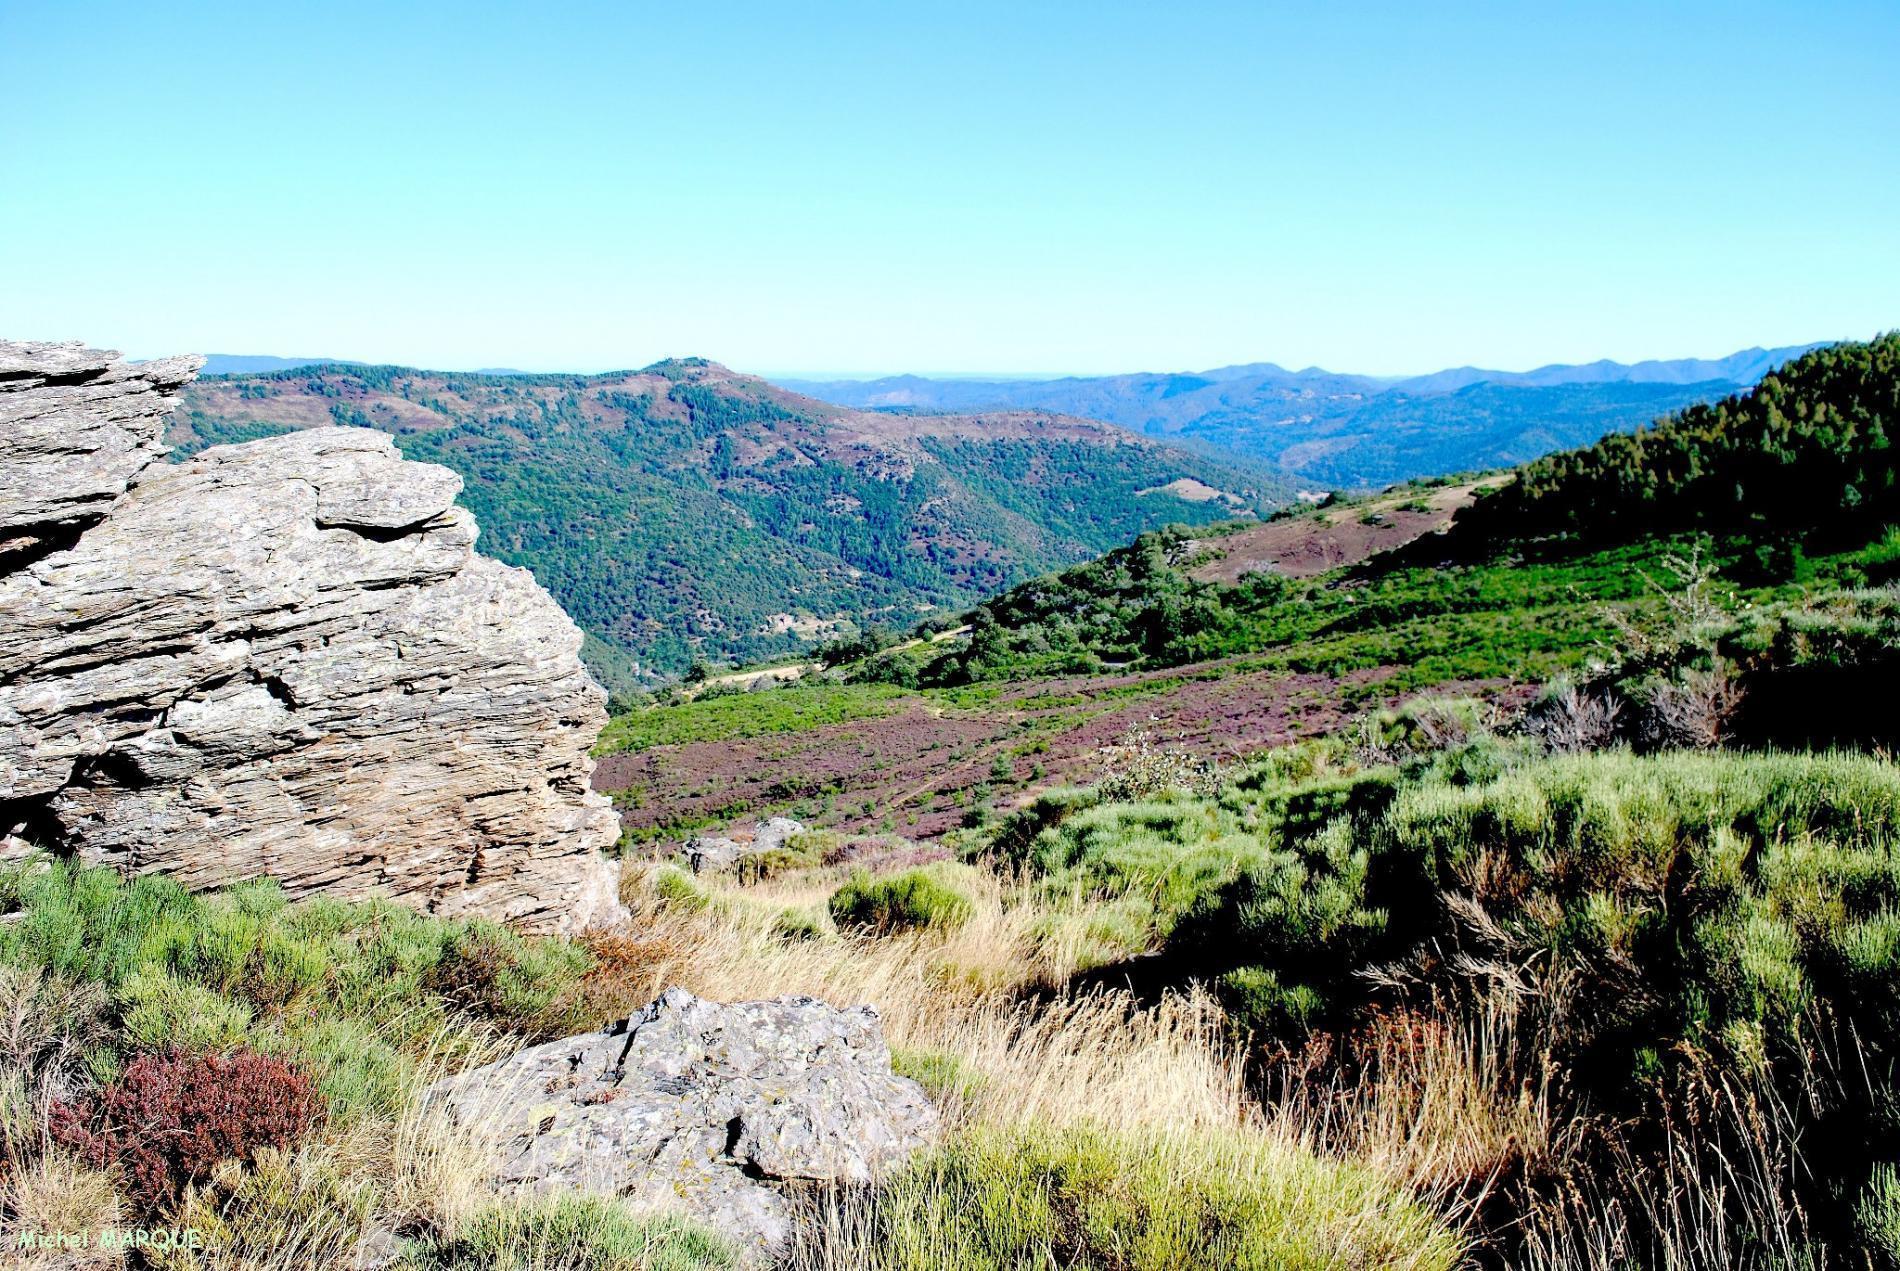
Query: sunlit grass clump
{"type": "Point", "coordinates": [998, 1200]}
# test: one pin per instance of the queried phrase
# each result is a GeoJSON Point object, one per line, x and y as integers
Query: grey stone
{"type": "Point", "coordinates": [775, 833]}
{"type": "Point", "coordinates": [280, 659]}
{"type": "Point", "coordinates": [705, 1108]}
{"type": "Point", "coordinates": [712, 853]}
{"type": "Point", "coordinates": [78, 427]}
{"type": "Point", "coordinates": [709, 854]}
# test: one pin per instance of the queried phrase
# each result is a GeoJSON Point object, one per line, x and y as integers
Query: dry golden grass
{"type": "Point", "coordinates": [1100, 1057]}
{"type": "Point", "coordinates": [980, 1015]}
{"type": "Point", "coordinates": [1445, 1101]}
{"type": "Point", "coordinates": [54, 1195]}
{"type": "Point", "coordinates": [1436, 1100]}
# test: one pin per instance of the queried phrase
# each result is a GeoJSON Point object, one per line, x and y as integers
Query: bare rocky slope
{"type": "Point", "coordinates": [279, 659]}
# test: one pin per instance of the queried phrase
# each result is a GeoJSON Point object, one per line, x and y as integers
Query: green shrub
{"type": "Point", "coordinates": [1041, 1197]}
{"type": "Point", "coordinates": [1420, 729]}
{"type": "Point", "coordinates": [1173, 854]}
{"type": "Point", "coordinates": [1879, 561]}
{"type": "Point", "coordinates": [1165, 854]}
{"type": "Point", "coordinates": [1013, 837]}
{"type": "Point", "coordinates": [1877, 1216]}
{"type": "Point", "coordinates": [816, 844]}
{"type": "Point", "coordinates": [797, 924]}
{"type": "Point", "coordinates": [1256, 1002]}
{"type": "Point", "coordinates": [572, 1233]}
{"type": "Point", "coordinates": [491, 973]}
{"type": "Point", "coordinates": [1737, 890]}
{"type": "Point", "coordinates": [357, 1071]}
{"type": "Point", "coordinates": [757, 867]}
{"type": "Point", "coordinates": [351, 992]}
{"type": "Point", "coordinates": [675, 887]}
{"type": "Point", "coordinates": [159, 1011]}
{"type": "Point", "coordinates": [1097, 932]}
{"type": "Point", "coordinates": [915, 899]}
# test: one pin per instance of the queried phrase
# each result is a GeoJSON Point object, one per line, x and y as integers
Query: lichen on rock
{"type": "Point", "coordinates": [279, 659]}
{"type": "Point", "coordinates": [699, 1106]}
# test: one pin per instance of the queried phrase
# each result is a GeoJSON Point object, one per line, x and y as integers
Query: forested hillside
{"type": "Point", "coordinates": [685, 512]}
{"type": "Point", "coordinates": [1798, 470]}
{"type": "Point", "coordinates": [1810, 448]}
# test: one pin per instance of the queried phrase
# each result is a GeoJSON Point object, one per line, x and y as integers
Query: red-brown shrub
{"type": "Point", "coordinates": [172, 1116]}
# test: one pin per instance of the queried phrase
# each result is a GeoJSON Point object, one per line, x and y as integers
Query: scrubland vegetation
{"type": "Point", "coordinates": [1457, 984]}
{"type": "Point", "coordinates": [1592, 963]}
{"type": "Point", "coordinates": [1085, 1122]}
{"type": "Point", "coordinates": [1600, 973]}
{"type": "Point", "coordinates": [249, 1068]}
{"type": "Point", "coordinates": [1572, 987]}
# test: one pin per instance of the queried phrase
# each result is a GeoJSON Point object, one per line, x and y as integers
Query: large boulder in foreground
{"type": "Point", "coordinates": [701, 1107]}
{"type": "Point", "coordinates": [279, 659]}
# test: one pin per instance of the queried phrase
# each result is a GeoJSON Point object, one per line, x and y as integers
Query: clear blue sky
{"type": "Point", "coordinates": [1017, 187]}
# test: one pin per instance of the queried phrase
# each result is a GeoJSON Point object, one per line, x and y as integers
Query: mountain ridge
{"type": "Point", "coordinates": [1345, 429]}
{"type": "Point", "coordinates": [685, 511]}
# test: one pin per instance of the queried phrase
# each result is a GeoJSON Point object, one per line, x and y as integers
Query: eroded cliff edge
{"type": "Point", "coordinates": [280, 659]}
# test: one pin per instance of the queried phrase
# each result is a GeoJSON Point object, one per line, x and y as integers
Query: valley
{"type": "Point", "coordinates": [1376, 882]}
{"type": "Point", "coordinates": [1350, 431]}
{"type": "Point", "coordinates": [742, 666]}
{"type": "Point", "coordinates": [688, 513]}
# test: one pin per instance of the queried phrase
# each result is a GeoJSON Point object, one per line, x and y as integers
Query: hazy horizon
{"type": "Point", "coordinates": [464, 366]}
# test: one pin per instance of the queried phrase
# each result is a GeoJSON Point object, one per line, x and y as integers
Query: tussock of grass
{"type": "Point", "coordinates": [916, 899]}
{"type": "Point", "coordinates": [58, 1194]}
{"type": "Point", "coordinates": [571, 1233]}
{"type": "Point", "coordinates": [997, 1200]}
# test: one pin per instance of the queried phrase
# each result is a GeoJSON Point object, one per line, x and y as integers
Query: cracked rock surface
{"type": "Point", "coordinates": [700, 1107]}
{"type": "Point", "coordinates": [279, 659]}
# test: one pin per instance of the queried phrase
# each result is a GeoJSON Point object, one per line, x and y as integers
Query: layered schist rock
{"type": "Point", "coordinates": [280, 659]}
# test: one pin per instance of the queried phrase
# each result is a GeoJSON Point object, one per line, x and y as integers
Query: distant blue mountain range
{"type": "Point", "coordinates": [1328, 428]}
{"type": "Point", "coordinates": [1349, 430]}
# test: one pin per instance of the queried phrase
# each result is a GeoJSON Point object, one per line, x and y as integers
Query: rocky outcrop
{"type": "Point", "coordinates": [78, 426]}
{"type": "Point", "coordinates": [699, 1106]}
{"type": "Point", "coordinates": [279, 659]}
{"type": "Point", "coordinates": [715, 853]}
